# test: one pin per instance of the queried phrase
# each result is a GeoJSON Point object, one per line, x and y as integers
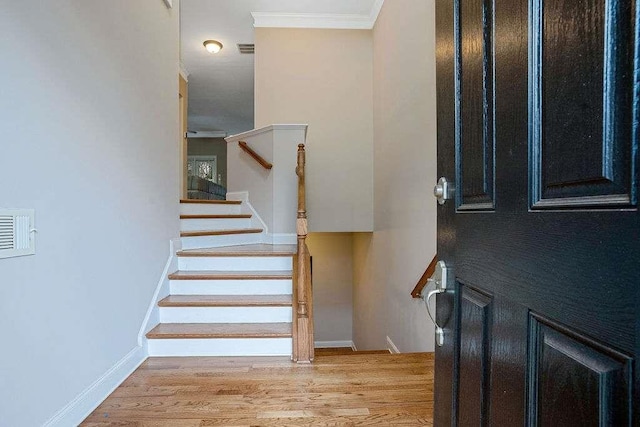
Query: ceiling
{"type": "Point", "coordinates": [221, 85]}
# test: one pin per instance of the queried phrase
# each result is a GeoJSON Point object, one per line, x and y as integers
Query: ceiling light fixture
{"type": "Point", "coordinates": [213, 46]}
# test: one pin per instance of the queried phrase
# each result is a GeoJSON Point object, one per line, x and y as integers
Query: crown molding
{"type": "Point", "coordinates": [318, 20]}
{"type": "Point", "coordinates": [375, 12]}
{"type": "Point", "coordinates": [311, 20]}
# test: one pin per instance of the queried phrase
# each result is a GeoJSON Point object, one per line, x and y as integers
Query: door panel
{"type": "Point", "coordinates": [474, 107]}
{"type": "Point", "coordinates": [475, 341]}
{"type": "Point", "coordinates": [508, 373]}
{"type": "Point", "coordinates": [538, 113]}
{"type": "Point", "coordinates": [577, 382]}
{"type": "Point", "coordinates": [581, 93]}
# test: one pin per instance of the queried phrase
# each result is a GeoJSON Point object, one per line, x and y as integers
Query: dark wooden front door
{"type": "Point", "coordinates": [538, 112]}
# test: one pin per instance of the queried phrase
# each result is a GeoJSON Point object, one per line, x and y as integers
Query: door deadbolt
{"type": "Point", "coordinates": [441, 191]}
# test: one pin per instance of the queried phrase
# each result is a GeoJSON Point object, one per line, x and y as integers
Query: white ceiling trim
{"type": "Point", "coordinates": [375, 11]}
{"type": "Point", "coordinates": [318, 20]}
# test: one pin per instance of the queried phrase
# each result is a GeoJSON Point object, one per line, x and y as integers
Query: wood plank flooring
{"type": "Point", "coordinates": [336, 390]}
{"type": "Point", "coordinates": [343, 351]}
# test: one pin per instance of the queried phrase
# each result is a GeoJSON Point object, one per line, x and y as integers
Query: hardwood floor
{"type": "Point", "coordinates": [336, 390]}
{"type": "Point", "coordinates": [345, 351]}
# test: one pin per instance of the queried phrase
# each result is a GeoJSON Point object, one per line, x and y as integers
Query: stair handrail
{"type": "Point", "coordinates": [302, 327]}
{"type": "Point", "coordinates": [417, 291]}
{"type": "Point", "coordinates": [257, 157]}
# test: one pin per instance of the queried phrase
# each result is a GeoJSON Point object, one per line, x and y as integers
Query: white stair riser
{"type": "Point", "coordinates": [283, 263]}
{"type": "Point", "coordinates": [220, 347]}
{"type": "Point", "coordinates": [231, 287]}
{"type": "Point", "coordinates": [225, 314]}
{"type": "Point", "coordinates": [208, 209]}
{"type": "Point", "coordinates": [218, 241]}
{"type": "Point", "coordinates": [214, 224]}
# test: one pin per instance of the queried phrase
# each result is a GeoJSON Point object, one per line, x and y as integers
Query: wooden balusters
{"type": "Point", "coordinates": [303, 342]}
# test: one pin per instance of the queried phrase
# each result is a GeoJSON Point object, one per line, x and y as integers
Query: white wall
{"type": "Point", "coordinates": [332, 285]}
{"type": "Point", "coordinates": [323, 78]}
{"type": "Point", "coordinates": [244, 174]}
{"type": "Point", "coordinates": [388, 263]}
{"type": "Point", "coordinates": [89, 137]}
{"type": "Point", "coordinates": [369, 297]}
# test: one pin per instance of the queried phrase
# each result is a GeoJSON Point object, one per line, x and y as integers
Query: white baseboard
{"type": "Point", "coordinates": [239, 196]}
{"type": "Point", "coordinates": [256, 219]}
{"type": "Point", "coordinates": [333, 344]}
{"type": "Point", "coordinates": [392, 347]}
{"type": "Point", "coordinates": [80, 407]}
{"type": "Point", "coordinates": [243, 196]}
{"type": "Point", "coordinates": [162, 290]}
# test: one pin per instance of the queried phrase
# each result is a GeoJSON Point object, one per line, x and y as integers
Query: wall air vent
{"type": "Point", "coordinates": [247, 48]}
{"type": "Point", "coordinates": [17, 233]}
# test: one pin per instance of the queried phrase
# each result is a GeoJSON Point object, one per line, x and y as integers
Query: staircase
{"type": "Point", "coordinates": [232, 294]}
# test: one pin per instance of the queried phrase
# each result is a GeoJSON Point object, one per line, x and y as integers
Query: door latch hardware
{"type": "Point", "coordinates": [442, 191]}
{"type": "Point", "coordinates": [441, 279]}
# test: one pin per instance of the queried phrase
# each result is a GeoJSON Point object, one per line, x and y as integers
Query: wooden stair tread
{"type": "Point", "coordinates": [229, 216]}
{"type": "Point", "coordinates": [241, 250]}
{"type": "Point", "coordinates": [210, 202]}
{"type": "Point", "coordinates": [226, 301]}
{"type": "Point", "coordinates": [220, 330]}
{"type": "Point", "coordinates": [220, 232]}
{"type": "Point", "coordinates": [231, 275]}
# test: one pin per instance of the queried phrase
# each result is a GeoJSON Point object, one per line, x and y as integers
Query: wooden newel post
{"type": "Point", "coordinates": [303, 343]}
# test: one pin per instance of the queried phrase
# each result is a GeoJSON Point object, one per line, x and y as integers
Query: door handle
{"type": "Point", "coordinates": [441, 279]}
{"type": "Point", "coordinates": [442, 190]}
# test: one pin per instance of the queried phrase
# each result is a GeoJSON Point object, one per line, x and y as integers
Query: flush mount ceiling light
{"type": "Point", "coordinates": [213, 46]}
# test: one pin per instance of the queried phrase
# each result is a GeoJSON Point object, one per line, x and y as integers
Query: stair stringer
{"type": "Point", "coordinates": [152, 318]}
{"type": "Point", "coordinates": [257, 222]}
{"type": "Point", "coordinates": [234, 239]}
